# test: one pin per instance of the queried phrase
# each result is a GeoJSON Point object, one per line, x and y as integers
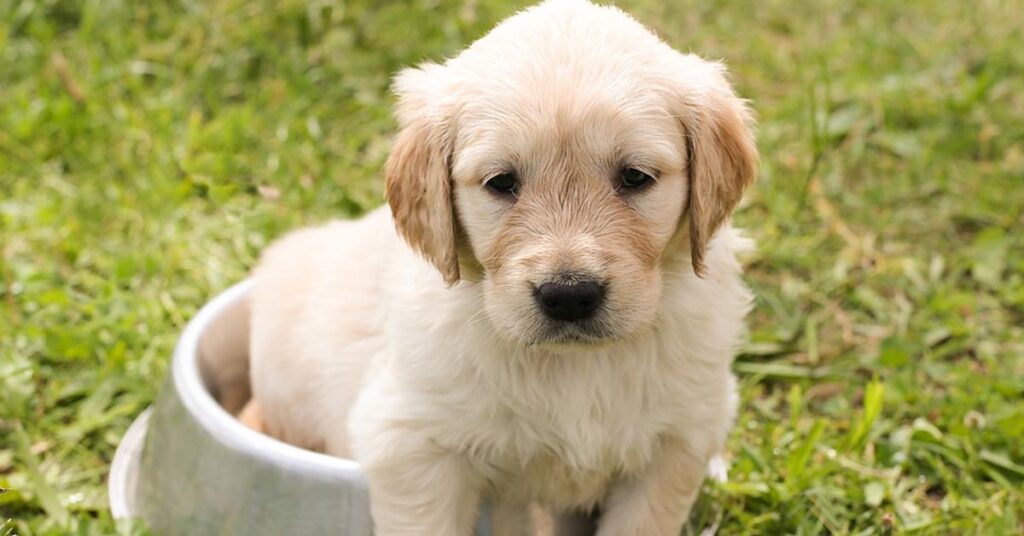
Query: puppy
{"type": "Point", "coordinates": [547, 311]}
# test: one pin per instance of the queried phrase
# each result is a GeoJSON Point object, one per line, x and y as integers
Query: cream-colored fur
{"type": "Point", "coordinates": [411, 340]}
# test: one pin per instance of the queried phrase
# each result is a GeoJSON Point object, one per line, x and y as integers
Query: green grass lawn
{"type": "Point", "coordinates": [149, 150]}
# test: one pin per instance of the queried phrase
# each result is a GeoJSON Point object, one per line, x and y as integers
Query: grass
{"type": "Point", "coordinates": [149, 150]}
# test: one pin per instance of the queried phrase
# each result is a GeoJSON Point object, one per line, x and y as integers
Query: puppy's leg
{"type": "Point", "coordinates": [251, 416]}
{"type": "Point", "coordinates": [415, 493]}
{"type": "Point", "coordinates": [417, 487]}
{"type": "Point", "coordinates": [658, 502]}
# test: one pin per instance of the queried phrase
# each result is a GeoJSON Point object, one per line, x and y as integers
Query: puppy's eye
{"type": "Point", "coordinates": [505, 184]}
{"type": "Point", "coordinates": [634, 179]}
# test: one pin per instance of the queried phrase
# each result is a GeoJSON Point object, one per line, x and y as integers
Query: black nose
{"type": "Point", "coordinates": [570, 301]}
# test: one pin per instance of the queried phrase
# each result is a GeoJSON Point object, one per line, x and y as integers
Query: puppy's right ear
{"type": "Point", "coordinates": [418, 179]}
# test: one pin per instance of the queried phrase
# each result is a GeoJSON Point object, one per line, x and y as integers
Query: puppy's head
{"type": "Point", "coordinates": [564, 161]}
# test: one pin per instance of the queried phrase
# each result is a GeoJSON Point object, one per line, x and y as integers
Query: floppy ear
{"type": "Point", "coordinates": [722, 152]}
{"type": "Point", "coordinates": [418, 182]}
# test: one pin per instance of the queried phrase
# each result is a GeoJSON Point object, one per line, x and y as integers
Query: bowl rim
{"type": "Point", "coordinates": [123, 478]}
{"type": "Point", "coordinates": [224, 427]}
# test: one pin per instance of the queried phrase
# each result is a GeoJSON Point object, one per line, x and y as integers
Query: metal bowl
{"type": "Point", "coordinates": [187, 466]}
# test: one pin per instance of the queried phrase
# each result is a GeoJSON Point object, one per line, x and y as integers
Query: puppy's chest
{"type": "Point", "coordinates": [566, 446]}
{"type": "Point", "coordinates": [567, 463]}
{"type": "Point", "coordinates": [549, 479]}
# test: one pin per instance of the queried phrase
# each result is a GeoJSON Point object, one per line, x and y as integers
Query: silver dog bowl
{"type": "Point", "coordinates": [187, 466]}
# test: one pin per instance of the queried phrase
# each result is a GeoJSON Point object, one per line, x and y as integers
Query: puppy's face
{"type": "Point", "coordinates": [568, 197]}
{"type": "Point", "coordinates": [556, 165]}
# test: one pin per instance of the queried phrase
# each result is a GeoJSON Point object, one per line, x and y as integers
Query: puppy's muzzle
{"type": "Point", "coordinates": [570, 300]}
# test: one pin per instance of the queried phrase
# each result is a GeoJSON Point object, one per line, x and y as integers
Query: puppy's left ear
{"type": "Point", "coordinates": [418, 182]}
{"type": "Point", "coordinates": [722, 152]}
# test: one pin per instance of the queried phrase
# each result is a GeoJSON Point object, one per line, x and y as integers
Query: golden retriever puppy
{"type": "Point", "coordinates": [547, 311]}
